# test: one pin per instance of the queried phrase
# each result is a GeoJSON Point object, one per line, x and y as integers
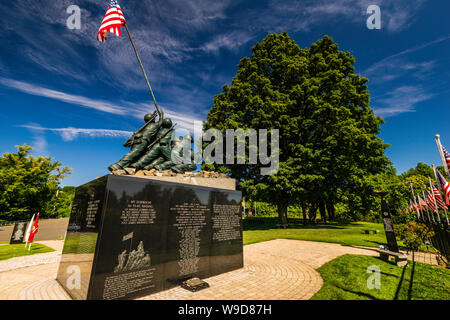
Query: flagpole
{"type": "Point", "coordinates": [441, 152]}
{"type": "Point", "coordinates": [142, 67]}
{"type": "Point", "coordinates": [414, 198]}
{"type": "Point", "coordinates": [434, 200]}
{"type": "Point", "coordinates": [438, 185]}
{"type": "Point", "coordinates": [419, 209]}
{"type": "Point", "coordinates": [27, 232]}
{"type": "Point", "coordinates": [426, 208]}
{"type": "Point", "coordinates": [422, 211]}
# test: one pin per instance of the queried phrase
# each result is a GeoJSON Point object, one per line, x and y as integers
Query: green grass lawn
{"type": "Point", "coordinates": [263, 229]}
{"type": "Point", "coordinates": [18, 250]}
{"type": "Point", "coordinates": [80, 242]}
{"type": "Point", "coordinates": [345, 278]}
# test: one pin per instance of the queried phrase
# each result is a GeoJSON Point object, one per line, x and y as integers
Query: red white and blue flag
{"type": "Point", "coordinates": [438, 198]}
{"type": "Point", "coordinates": [422, 203]}
{"type": "Point", "coordinates": [430, 201]}
{"type": "Point", "coordinates": [446, 156]}
{"type": "Point", "coordinates": [445, 187]}
{"type": "Point", "coordinates": [112, 21]}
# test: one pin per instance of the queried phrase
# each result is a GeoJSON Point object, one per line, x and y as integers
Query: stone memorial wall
{"type": "Point", "coordinates": [129, 237]}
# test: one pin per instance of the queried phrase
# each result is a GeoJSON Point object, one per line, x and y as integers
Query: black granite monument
{"type": "Point", "coordinates": [388, 224]}
{"type": "Point", "coordinates": [18, 233]}
{"type": "Point", "coordinates": [129, 237]}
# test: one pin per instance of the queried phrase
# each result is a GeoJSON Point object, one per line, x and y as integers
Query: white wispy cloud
{"type": "Point", "coordinates": [184, 120]}
{"type": "Point", "coordinates": [185, 116]}
{"type": "Point", "coordinates": [304, 15]}
{"type": "Point", "coordinates": [402, 66]}
{"type": "Point", "coordinates": [230, 41]}
{"type": "Point", "coordinates": [39, 142]}
{"type": "Point", "coordinates": [70, 133]}
{"type": "Point", "coordinates": [391, 60]}
{"type": "Point", "coordinates": [32, 89]}
{"type": "Point", "coordinates": [401, 100]}
{"type": "Point", "coordinates": [397, 67]}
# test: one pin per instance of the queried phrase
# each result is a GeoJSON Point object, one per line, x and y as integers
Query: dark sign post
{"type": "Point", "coordinates": [387, 221]}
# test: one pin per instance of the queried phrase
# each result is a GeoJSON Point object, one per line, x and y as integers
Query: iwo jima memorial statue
{"type": "Point", "coordinates": [151, 224]}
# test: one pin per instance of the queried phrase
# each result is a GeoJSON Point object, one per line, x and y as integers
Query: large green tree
{"type": "Point", "coordinates": [420, 169]}
{"type": "Point", "coordinates": [28, 184]}
{"type": "Point", "coordinates": [328, 132]}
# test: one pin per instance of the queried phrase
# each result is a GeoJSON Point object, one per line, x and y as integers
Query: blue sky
{"type": "Point", "coordinates": [76, 99]}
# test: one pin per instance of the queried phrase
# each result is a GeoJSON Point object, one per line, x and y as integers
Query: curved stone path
{"type": "Point", "coordinates": [273, 270]}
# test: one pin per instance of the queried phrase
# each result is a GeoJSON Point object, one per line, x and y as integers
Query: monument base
{"type": "Point", "coordinates": [131, 236]}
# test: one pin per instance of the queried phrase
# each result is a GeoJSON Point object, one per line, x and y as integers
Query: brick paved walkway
{"type": "Point", "coordinates": [273, 270]}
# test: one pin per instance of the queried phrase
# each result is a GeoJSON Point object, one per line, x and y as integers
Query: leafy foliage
{"type": "Point", "coordinates": [63, 201]}
{"type": "Point", "coordinates": [421, 169]}
{"type": "Point", "coordinates": [328, 131]}
{"type": "Point", "coordinates": [413, 234]}
{"type": "Point", "coordinates": [28, 184]}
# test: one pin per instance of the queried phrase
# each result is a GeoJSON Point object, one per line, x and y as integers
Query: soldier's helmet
{"type": "Point", "coordinates": [150, 117]}
{"type": "Point", "coordinates": [167, 123]}
{"type": "Point", "coordinates": [188, 137]}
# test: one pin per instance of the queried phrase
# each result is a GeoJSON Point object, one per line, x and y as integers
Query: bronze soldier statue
{"type": "Point", "coordinates": [140, 141]}
{"type": "Point", "coordinates": [161, 147]}
{"type": "Point", "coordinates": [177, 162]}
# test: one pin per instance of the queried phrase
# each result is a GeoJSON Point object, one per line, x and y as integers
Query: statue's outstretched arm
{"type": "Point", "coordinates": [161, 117]}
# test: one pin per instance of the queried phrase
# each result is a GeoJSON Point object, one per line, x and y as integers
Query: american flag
{"type": "Point", "coordinates": [446, 156]}
{"type": "Point", "coordinates": [422, 203]}
{"type": "Point", "coordinates": [438, 197]}
{"type": "Point", "coordinates": [445, 187]}
{"type": "Point", "coordinates": [430, 201]}
{"type": "Point", "coordinates": [412, 206]}
{"type": "Point", "coordinates": [112, 21]}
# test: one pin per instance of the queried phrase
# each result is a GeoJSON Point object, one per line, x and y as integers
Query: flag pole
{"type": "Point", "coordinates": [426, 208]}
{"type": "Point", "coordinates": [435, 204]}
{"type": "Point", "coordinates": [441, 152]}
{"type": "Point", "coordinates": [438, 185]}
{"type": "Point", "coordinates": [421, 210]}
{"type": "Point", "coordinates": [434, 200]}
{"type": "Point", "coordinates": [142, 67]}
{"type": "Point", "coordinates": [414, 198]}
{"type": "Point", "coordinates": [27, 232]}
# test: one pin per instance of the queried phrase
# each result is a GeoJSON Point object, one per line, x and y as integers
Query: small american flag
{"type": "Point", "coordinates": [430, 201]}
{"type": "Point", "coordinates": [422, 203]}
{"type": "Point", "coordinates": [112, 21]}
{"type": "Point", "coordinates": [446, 156]}
{"type": "Point", "coordinates": [445, 187]}
{"type": "Point", "coordinates": [438, 197]}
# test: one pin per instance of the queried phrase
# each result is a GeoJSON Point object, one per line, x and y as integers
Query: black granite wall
{"type": "Point", "coordinates": [129, 237]}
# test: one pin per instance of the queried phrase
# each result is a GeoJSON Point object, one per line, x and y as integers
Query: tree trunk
{"type": "Point", "coordinates": [313, 213]}
{"type": "Point", "coordinates": [331, 210]}
{"type": "Point", "coordinates": [305, 216]}
{"type": "Point", "coordinates": [323, 213]}
{"type": "Point", "coordinates": [282, 214]}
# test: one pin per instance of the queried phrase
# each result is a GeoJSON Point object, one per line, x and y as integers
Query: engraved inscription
{"type": "Point", "coordinates": [119, 286]}
{"type": "Point", "coordinates": [138, 212]}
{"type": "Point", "coordinates": [91, 213]}
{"type": "Point", "coordinates": [226, 222]}
{"type": "Point", "coordinates": [190, 220]}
